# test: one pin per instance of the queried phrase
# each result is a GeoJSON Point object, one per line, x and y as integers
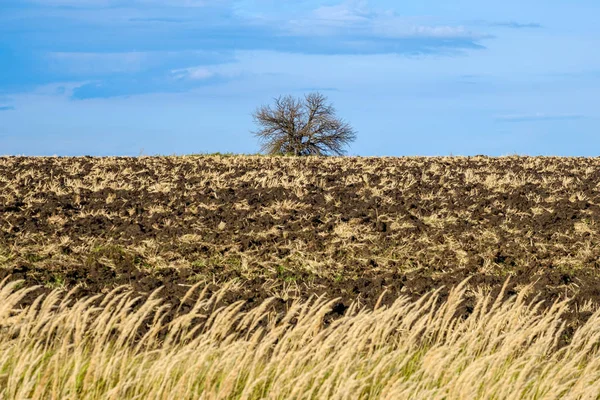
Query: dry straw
{"type": "Point", "coordinates": [118, 346]}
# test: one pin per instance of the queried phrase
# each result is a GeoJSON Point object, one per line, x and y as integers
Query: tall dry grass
{"type": "Point", "coordinates": [117, 346]}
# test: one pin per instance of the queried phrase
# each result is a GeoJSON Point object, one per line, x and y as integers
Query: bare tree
{"type": "Point", "coordinates": [302, 127]}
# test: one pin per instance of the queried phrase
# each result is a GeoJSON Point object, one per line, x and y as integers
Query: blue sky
{"type": "Point", "coordinates": [124, 77]}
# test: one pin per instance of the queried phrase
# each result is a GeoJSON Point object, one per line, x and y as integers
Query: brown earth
{"type": "Point", "coordinates": [291, 227]}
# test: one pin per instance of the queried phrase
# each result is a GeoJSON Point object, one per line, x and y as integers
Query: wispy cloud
{"type": "Point", "coordinates": [98, 64]}
{"type": "Point", "coordinates": [193, 73]}
{"type": "Point", "coordinates": [74, 3]}
{"type": "Point", "coordinates": [160, 20]}
{"type": "Point", "coordinates": [105, 73]}
{"type": "Point", "coordinates": [204, 72]}
{"type": "Point", "coordinates": [510, 24]}
{"type": "Point", "coordinates": [120, 86]}
{"type": "Point", "coordinates": [118, 48]}
{"type": "Point", "coordinates": [164, 81]}
{"type": "Point", "coordinates": [539, 117]}
{"type": "Point", "coordinates": [352, 18]}
{"type": "Point", "coordinates": [183, 3]}
{"type": "Point", "coordinates": [115, 3]}
{"type": "Point", "coordinates": [517, 25]}
{"type": "Point", "coordinates": [6, 108]}
{"type": "Point", "coordinates": [339, 30]}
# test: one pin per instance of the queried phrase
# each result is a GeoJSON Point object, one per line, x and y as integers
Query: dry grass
{"type": "Point", "coordinates": [365, 229]}
{"type": "Point", "coordinates": [116, 346]}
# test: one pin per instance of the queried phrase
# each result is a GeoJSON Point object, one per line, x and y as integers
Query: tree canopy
{"type": "Point", "coordinates": [302, 127]}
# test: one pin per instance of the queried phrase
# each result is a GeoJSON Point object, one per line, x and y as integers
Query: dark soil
{"type": "Point", "coordinates": [344, 227]}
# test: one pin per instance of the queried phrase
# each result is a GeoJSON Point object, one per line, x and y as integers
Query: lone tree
{"type": "Point", "coordinates": [302, 127]}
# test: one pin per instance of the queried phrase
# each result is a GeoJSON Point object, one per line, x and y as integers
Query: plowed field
{"type": "Point", "coordinates": [290, 227]}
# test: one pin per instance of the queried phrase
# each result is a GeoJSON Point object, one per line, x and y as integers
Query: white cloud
{"type": "Point", "coordinates": [358, 17]}
{"type": "Point", "coordinates": [441, 31]}
{"type": "Point", "coordinates": [202, 72]}
{"type": "Point", "coordinates": [193, 73]}
{"type": "Point", "coordinates": [355, 12]}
